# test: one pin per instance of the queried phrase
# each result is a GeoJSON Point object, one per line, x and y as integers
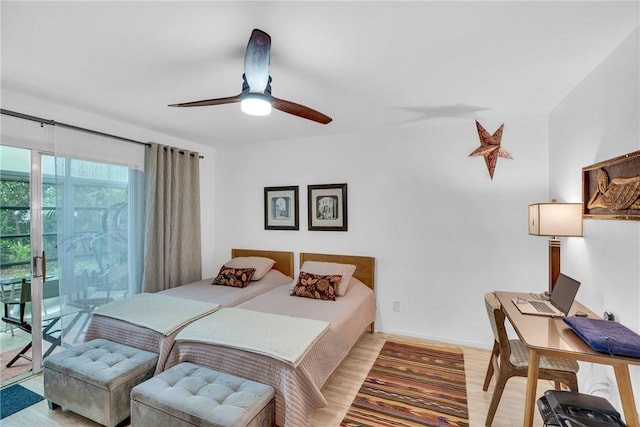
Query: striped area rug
{"type": "Point", "coordinates": [412, 385]}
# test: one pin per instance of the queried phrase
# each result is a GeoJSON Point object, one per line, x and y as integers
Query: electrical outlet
{"type": "Point", "coordinates": [396, 306]}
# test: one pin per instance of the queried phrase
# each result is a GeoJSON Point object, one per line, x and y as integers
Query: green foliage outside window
{"type": "Point", "coordinates": [95, 228]}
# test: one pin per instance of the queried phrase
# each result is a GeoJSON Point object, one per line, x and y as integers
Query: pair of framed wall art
{"type": "Point", "coordinates": [326, 207]}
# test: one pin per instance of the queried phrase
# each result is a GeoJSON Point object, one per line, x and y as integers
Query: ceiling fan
{"type": "Point", "coordinates": [256, 97]}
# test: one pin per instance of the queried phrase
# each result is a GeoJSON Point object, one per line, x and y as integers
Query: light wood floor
{"type": "Point", "coordinates": [340, 390]}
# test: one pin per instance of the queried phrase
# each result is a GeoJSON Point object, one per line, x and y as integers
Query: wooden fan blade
{"type": "Point", "coordinates": [256, 61]}
{"type": "Point", "coordinates": [205, 102]}
{"type": "Point", "coordinates": [300, 110]}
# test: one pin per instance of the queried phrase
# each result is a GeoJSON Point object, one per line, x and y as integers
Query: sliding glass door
{"type": "Point", "coordinates": [21, 259]}
{"type": "Point", "coordinates": [66, 234]}
{"type": "Point", "coordinates": [15, 260]}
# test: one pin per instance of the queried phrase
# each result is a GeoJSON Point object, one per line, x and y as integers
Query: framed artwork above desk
{"type": "Point", "coordinates": [611, 189]}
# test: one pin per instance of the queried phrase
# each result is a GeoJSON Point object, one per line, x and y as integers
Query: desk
{"type": "Point", "coordinates": [552, 337]}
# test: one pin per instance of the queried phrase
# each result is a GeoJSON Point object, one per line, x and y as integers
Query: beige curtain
{"type": "Point", "coordinates": [172, 212]}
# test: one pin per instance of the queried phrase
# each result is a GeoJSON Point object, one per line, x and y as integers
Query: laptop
{"type": "Point", "coordinates": [559, 303]}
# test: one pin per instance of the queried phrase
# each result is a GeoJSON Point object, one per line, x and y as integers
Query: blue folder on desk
{"type": "Point", "coordinates": [606, 336]}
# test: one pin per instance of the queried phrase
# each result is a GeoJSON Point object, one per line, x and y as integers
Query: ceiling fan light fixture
{"type": "Point", "coordinates": [255, 104]}
{"type": "Point", "coordinates": [255, 97]}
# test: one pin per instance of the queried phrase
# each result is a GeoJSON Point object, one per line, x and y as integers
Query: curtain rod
{"type": "Point", "coordinates": [78, 128]}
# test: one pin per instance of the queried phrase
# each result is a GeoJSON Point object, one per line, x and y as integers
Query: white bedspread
{"type": "Point", "coordinates": [160, 313]}
{"type": "Point", "coordinates": [285, 338]}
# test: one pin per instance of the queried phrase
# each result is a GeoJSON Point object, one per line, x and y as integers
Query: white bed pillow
{"type": "Point", "coordinates": [330, 269]}
{"type": "Point", "coordinates": [261, 264]}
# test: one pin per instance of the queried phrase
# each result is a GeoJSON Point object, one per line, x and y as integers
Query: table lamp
{"type": "Point", "coordinates": [555, 220]}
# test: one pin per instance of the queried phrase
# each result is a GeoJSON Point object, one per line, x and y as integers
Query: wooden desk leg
{"type": "Point", "coordinates": [626, 395]}
{"type": "Point", "coordinates": [532, 387]}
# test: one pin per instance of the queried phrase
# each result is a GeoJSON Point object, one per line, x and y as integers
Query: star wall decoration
{"type": "Point", "coordinates": [490, 147]}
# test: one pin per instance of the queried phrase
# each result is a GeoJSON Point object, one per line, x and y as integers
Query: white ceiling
{"type": "Point", "coordinates": [366, 64]}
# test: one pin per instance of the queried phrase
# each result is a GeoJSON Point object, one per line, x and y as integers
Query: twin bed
{"type": "Point", "coordinates": [120, 321]}
{"type": "Point", "coordinates": [334, 327]}
{"type": "Point", "coordinates": [228, 296]}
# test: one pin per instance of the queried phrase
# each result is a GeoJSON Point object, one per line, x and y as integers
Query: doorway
{"type": "Point", "coordinates": [64, 234]}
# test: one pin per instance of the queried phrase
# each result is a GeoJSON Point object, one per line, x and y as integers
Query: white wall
{"type": "Point", "coordinates": [600, 120]}
{"type": "Point", "coordinates": [441, 231]}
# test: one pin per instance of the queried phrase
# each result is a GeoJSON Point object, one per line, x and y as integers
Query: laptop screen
{"type": "Point", "coordinates": [564, 292]}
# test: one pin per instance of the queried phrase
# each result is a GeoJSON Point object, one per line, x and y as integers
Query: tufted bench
{"type": "Point", "coordinates": [95, 379]}
{"type": "Point", "coordinates": [187, 395]}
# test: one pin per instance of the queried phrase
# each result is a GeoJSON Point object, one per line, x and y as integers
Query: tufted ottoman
{"type": "Point", "coordinates": [189, 395]}
{"type": "Point", "coordinates": [95, 379]}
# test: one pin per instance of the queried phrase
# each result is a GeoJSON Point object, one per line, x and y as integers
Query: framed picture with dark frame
{"type": "Point", "coordinates": [327, 207]}
{"type": "Point", "coordinates": [611, 189]}
{"type": "Point", "coordinates": [281, 211]}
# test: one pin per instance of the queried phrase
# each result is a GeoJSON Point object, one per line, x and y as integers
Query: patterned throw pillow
{"type": "Point", "coordinates": [261, 264]}
{"type": "Point", "coordinates": [236, 277]}
{"type": "Point", "coordinates": [316, 286]}
{"type": "Point", "coordinates": [333, 268]}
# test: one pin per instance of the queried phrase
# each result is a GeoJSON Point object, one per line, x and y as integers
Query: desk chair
{"type": "Point", "coordinates": [510, 358]}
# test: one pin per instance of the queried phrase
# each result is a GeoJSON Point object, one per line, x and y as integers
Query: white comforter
{"type": "Point", "coordinates": [161, 313]}
{"type": "Point", "coordinates": [284, 338]}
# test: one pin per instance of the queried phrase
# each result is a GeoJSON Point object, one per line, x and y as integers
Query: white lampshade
{"type": "Point", "coordinates": [555, 219]}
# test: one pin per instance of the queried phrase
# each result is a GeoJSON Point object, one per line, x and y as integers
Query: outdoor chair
{"type": "Point", "coordinates": [51, 316]}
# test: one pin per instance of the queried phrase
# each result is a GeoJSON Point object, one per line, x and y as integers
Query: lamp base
{"type": "Point", "coordinates": [554, 262]}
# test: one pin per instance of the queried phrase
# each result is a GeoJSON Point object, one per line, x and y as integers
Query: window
{"type": "Point", "coordinates": [85, 223]}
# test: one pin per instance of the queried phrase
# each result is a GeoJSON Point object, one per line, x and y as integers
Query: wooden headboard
{"type": "Point", "coordinates": [284, 260]}
{"type": "Point", "coordinates": [365, 266]}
